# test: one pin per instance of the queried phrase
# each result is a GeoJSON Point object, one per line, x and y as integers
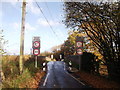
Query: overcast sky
{"type": "Point", "coordinates": [36, 25]}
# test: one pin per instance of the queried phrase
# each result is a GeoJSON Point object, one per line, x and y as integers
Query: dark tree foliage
{"type": "Point", "coordinates": [88, 60]}
{"type": "Point", "coordinates": [101, 22]}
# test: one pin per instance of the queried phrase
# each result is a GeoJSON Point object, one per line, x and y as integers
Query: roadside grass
{"type": "Point", "coordinates": [28, 79]}
{"type": "Point", "coordinates": [18, 81]}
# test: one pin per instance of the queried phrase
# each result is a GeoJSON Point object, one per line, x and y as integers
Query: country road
{"type": "Point", "coordinates": [58, 77]}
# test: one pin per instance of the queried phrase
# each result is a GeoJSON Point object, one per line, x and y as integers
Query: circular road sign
{"type": "Point", "coordinates": [36, 51]}
{"type": "Point", "coordinates": [79, 51]}
{"type": "Point", "coordinates": [36, 44]}
{"type": "Point", "coordinates": [79, 44]}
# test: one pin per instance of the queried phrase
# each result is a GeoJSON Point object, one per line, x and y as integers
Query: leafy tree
{"type": "Point", "coordinates": [70, 43]}
{"type": "Point", "coordinates": [45, 53]}
{"type": "Point", "coordinates": [101, 22]}
{"type": "Point", "coordinates": [2, 52]}
{"type": "Point", "coordinates": [2, 43]}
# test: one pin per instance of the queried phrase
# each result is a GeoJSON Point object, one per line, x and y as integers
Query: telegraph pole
{"type": "Point", "coordinates": [22, 37]}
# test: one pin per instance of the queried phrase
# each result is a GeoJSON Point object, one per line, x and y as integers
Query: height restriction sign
{"type": "Point", "coordinates": [79, 51]}
{"type": "Point", "coordinates": [36, 51]}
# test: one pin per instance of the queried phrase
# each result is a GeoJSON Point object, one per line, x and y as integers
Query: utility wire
{"type": "Point", "coordinates": [46, 19]}
{"type": "Point", "coordinates": [50, 12]}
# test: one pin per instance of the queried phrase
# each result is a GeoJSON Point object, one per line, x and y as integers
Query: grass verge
{"type": "Point", "coordinates": [30, 77]}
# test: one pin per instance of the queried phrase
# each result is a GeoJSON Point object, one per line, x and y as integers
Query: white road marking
{"type": "Point", "coordinates": [48, 68]}
{"type": "Point", "coordinates": [45, 80]}
{"type": "Point", "coordinates": [75, 79]}
{"type": "Point", "coordinates": [64, 65]}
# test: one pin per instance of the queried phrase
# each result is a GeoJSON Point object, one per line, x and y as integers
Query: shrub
{"type": "Point", "coordinates": [18, 82]}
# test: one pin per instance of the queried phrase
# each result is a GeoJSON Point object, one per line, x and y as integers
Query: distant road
{"type": "Point", "coordinates": [58, 77]}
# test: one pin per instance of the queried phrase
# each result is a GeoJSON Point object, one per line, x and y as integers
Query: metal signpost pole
{"type": "Point", "coordinates": [79, 62]}
{"type": "Point", "coordinates": [35, 61]}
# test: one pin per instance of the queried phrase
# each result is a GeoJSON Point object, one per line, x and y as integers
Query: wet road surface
{"type": "Point", "coordinates": [58, 77]}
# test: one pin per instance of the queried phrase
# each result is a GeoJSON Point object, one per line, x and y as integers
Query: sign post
{"type": "Point", "coordinates": [36, 48]}
{"type": "Point", "coordinates": [79, 49]}
{"type": "Point", "coordinates": [36, 61]}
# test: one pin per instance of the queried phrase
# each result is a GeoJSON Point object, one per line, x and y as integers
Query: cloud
{"type": "Point", "coordinates": [29, 27]}
{"type": "Point", "coordinates": [43, 22]}
{"type": "Point", "coordinates": [1, 14]}
{"type": "Point", "coordinates": [32, 8]}
{"type": "Point", "coordinates": [16, 25]}
{"type": "Point", "coordinates": [14, 2]}
{"type": "Point", "coordinates": [61, 34]}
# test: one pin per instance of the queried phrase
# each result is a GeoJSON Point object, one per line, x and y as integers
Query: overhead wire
{"type": "Point", "coordinates": [46, 20]}
{"type": "Point", "coordinates": [50, 12]}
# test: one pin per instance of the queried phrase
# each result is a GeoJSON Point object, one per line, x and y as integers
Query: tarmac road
{"type": "Point", "coordinates": [58, 77]}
